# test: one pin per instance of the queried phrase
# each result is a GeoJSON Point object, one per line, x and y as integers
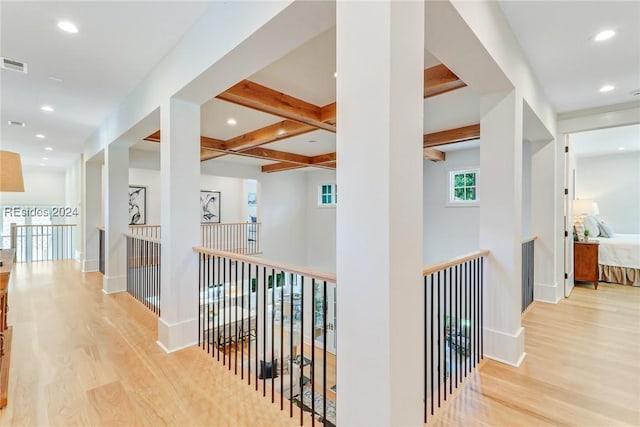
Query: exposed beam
{"type": "Point", "coordinates": [433, 154]}
{"type": "Point", "coordinates": [439, 79]}
{"type": "Point", "coordinates": [268, 134]}
{"type": "Point", "coordinates": [323, 159]}
{"type": "Point", "coordinates": [279, 167]}
{"type": "Point", "coordinates": [262, 98]}
{"type": "Point", "coordinates": [451, 136]}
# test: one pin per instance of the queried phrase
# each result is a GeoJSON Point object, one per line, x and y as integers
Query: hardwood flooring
{"type": "Point", "coordinates": [81, 357]}
{"type": "Point", "coordinates": [84, 358]}
{"type": "Point", "coordinates": [582, 367]}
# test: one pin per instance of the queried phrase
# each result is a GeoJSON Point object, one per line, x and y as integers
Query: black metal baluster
{"type": "Point", "coordinates": [257, 326]}
{"type": "Point", "coordinates": [235, 324]}
{"type": "Point", "coordinates": [449, 304]}
{"type": "Point", "coordinates": [301, 349]}
{"type": "Point", "coordinates": [438, 341]}
{"type": "Point", "coordinates": [426, 350]}
{"type": "Point", "coordinates": [431, 337]}
{"type": "Point", "coordinates": [481, 309]}
{"type": "Point", "coordinates": [312, 370]}
{"type": "Point", "coordinates": [273, 331]}
{"type": "Point", "coordinates": [242, 330]}
{"type": "Point", "coordinates": [291, 347]}
{"type": "Point", "coordinates": [282, 340]}
{"type": "Point", "coordinates": [324, 353]}
{"type": "Point", "coordinates": [264, 331]}
{"type": "Point", "coordinates": [444, 333]}
{"type": "Point", "coordinates": [456, 321]}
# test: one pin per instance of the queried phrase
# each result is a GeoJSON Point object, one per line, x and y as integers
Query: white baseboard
{"type": "Point", "coordinates": [90, 265]}
{"type": "Point", "coordinates": [114, 284]}
{"type": "Point", "coordinates": [547, 293]}
{"type": "Point", "coordinates": [177, 336]}
{"type": "Point", "coordinates": [504, 347]}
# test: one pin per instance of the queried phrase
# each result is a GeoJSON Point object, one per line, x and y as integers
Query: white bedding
{"type": "Point", "coordinates": [621, 250]}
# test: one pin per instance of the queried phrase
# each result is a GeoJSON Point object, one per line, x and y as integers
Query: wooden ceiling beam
{"type": "Point", "coordinates": [280, 167]}
{"type": "Point", "coordinates": [268, 134]}
{"type": "Point", "coordinates": [450, 136]}
{"type": "Point", "coordinates": [433, 154]}
{"type": "Point", "coordinates": [439, 79]}
{"type": "Point", "coordinates": [261, 98]}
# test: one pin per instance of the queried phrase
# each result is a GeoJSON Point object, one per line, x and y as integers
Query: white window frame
{"type": "Point", "coordinates": [450, 194]}
{"type": "Point", "coordinates": [333, 194]}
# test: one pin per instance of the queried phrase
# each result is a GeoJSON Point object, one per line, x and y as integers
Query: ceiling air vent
{"type": "Point", "coordinates": [15, 123]}
{"type": "Point", "coordinates": [13, 65]}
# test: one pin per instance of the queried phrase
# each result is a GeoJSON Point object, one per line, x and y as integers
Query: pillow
{"type": "Point", "coordinates": [267, 370]}
{"type": "Point", "coordinates": [606, 230]}
{"type": "Point", "coordinates": [591, 224]}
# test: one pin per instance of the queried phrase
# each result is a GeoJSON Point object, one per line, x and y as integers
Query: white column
{"type": "Point", "coordinates": [380, 50]}
{"type": "Point", "coordinates": [91, 216]}
{"type": "Point", "coordinates": [500, 224]}
{"type": "Point", "coordinates": [116, 217]}
{"type": "Point", "coordinates": [543, 220]}
{"type": "Point", "coordinates": [180, 221]}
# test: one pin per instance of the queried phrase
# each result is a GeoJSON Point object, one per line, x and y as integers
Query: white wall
{"type": "Point", "coordinates": [41, 188]}
{"type": "Point", "coordinates": [283, 216]}
{"type": "Point", "coordinates": [232, 194]}
{"type": "Point", "coordinates": [448, 231]}
{"type": "Point", "coordinates": [321, 224]}
{"type": "Point", "coordinates": [613, 181]}
{"type": "Point", "coordinates": [73, 200]}
{"type": "Point", "coordinates": [526, 189]}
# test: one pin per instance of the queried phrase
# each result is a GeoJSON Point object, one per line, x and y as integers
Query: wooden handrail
{"type": "Point", "coordinates": [296, 269]}
{"type": "Point", "coordinates": [528, 239]}
{"type": "Point", "coordinates": [433, 268]}
{"type": "Point", "coordinates": [100, 227]}
{"type": "Point", "coordinates": [143, 237]}
{"type": "Point", "coordinates": [211, 224]}
{"type": "Point", "coordinates": [44, 225]}
{"type": "Point", "coordinates": [143, 225]}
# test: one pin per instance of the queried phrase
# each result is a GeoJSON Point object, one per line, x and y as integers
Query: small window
{"type": "Point", "coordinates": [463, 187]}
{"type": "Point", "coordinates": [327, 195]}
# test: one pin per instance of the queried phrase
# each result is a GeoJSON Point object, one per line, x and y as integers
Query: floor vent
{"type": "Point", "coordinates": [13, 65]}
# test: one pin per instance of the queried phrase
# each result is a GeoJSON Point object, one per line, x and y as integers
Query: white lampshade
{"type": "Point", "coordinates": [10, 172]}
{"type": "Point", "coordinates": [583, 207]}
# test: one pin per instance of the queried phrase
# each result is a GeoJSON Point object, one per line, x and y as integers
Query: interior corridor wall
{"type": "Point", "coordinates": [321, 224]}
{"type": "Point", "coordinates": [613, 181]}
{"type": "Point", "coordinates": [448, 231]}
{"type": "Point", "coordinates": [232, 194]}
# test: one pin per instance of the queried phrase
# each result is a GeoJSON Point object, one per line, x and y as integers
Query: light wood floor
{"type": "Point", "coordinates": [84, 358]}
{"type": "Point", "coordinates": [582, 367]}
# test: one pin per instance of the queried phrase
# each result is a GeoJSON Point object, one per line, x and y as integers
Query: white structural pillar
{"type": "Point", "coordinates": [91, 215]}
{"type": "Point", "coordinates": [180, 223]}
{"type": "Point", "coordinates": [116, 216]}
{"type": "Point", "coordinates": [500, 224]}
{"type": "Point", "coordinates": [543, 222]}
{"type": "Point", "coordinates": [380, 54]}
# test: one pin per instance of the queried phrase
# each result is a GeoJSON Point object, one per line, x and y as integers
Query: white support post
{"type": "Point", "coordinates": [501, 224]}
{"type": "Point", "coordinates": [543, 219]}
{"type": "Point", "coordinates": [380, 54]}
{"type": "Point", "coordinates": [180, 221]}
{"type": "Point", "coordinates": [91, 215]}
{"type": "Point", "coordinates": [116, 217]}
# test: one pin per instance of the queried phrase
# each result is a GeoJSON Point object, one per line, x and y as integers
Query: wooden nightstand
{"type": "Point", "coordinates": [585, 262]}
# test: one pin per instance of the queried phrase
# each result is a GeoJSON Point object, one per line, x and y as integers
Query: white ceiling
{"type": "Point", "coordinates": [120, 42]}
{"type": "Point", "coordinates": [557, 38]}
{"type": "Point", "coordinates": [623, 139]}
{"type": "Point", "coordinates": [117, 45]}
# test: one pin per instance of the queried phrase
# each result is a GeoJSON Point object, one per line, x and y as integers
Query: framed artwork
{"type": "Point", "coordinates": [137, 205]}
{"type": "Point", "coordinates": [209, 206]}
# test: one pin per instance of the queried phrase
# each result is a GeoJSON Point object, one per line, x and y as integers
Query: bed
{"type": "Point", "coordinates": [618, 254]}
{"type": "Point", "coordinates": [619, 259]}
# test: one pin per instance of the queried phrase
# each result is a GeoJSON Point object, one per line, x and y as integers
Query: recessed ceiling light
{"type": "Point", "coordinates": [67, 26]}
{"type": "Point", "coordinates": [48, 148]}
{"type": "Point", "coordinates": [607, 88]}
{"type": "Point", "coordinates": [635, 92]}
{"type": "Point", "coordinates": [45, 158]}
{"type": "Point", "coordinates": [231, 121]}
{"type": "Point", "coordinates": [55, 79]}
{"type": "Point", "coordinates": [16, 123]}
{"type": "Point", "coordinates": [281, 132]}
{"type": "Point", "coordinates": [620, 148]}
{"type": "Point", "coordinates": [604, 35]}
{"type": "Point", "coordinates": [40, 136]}
{"type": "Point", "coordinates": [42, 164]}
{"type": "Point", "coordinates": [47, 108]}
